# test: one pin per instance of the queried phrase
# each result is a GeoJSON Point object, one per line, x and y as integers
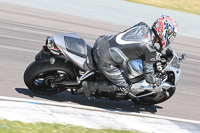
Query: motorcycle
{"type": "Point", "coordinates": [65, 61]}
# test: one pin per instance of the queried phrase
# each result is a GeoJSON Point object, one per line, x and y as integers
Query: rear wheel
{"type": "Point", "coordinates": [156, 98]}
{"type": "Point", "coordinates": [39, 77]}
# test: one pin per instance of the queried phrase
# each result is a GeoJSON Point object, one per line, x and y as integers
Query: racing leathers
{"type": "Point", "coordinates": [111, 53]}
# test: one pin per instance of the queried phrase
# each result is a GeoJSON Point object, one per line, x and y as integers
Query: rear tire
{"type": "Point", "coordinates": [38, 76]}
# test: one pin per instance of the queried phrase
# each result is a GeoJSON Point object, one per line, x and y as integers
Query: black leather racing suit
{"type": "Point", "coordinates": [110, 52]}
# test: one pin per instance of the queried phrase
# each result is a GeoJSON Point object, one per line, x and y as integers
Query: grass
{"type": "Point", "coordinates": [189, 6]}
{"type": "Point", "coordinates": [20, 127]}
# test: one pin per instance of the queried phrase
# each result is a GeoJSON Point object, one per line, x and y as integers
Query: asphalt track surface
{"type": "Point", "coordinates": [23, 31]}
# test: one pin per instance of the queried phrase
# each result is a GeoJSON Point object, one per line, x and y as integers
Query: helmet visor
{"type": "Point", "coordinates": [171, 37]}
{"type": "Point", "coordinates": [171, 34]}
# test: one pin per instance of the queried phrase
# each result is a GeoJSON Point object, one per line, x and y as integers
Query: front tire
{"type": "Point", "coordinates": [156, 98]}
{"type": "Point", "coordinates": [39, 76]}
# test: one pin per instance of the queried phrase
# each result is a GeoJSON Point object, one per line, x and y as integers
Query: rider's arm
{"type": "Point", "coordinates": [149, 59]}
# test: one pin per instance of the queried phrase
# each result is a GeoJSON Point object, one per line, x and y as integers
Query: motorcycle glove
{"type": "Point", "coordinates": [152, 79]}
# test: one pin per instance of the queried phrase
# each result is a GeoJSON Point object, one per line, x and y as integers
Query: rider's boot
{"type": "Point", "coordinates": [90, 87]}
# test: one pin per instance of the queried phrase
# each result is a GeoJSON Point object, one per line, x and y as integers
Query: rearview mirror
{"type": "Point", "coordinates": [183, 56]}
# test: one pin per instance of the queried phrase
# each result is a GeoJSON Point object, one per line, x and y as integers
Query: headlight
{"type": "Point", "coordinates": [174, 63]}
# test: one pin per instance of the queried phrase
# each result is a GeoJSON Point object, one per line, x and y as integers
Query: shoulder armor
{"type": "Point", "coordinates": [136, 34]}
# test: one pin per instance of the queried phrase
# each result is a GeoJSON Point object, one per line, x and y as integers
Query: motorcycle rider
{"type": "Point", "coordinates": [138, 42]}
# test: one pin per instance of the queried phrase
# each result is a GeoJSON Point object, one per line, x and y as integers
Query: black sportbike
{"type": "Point", "coordinates": [66, 61]}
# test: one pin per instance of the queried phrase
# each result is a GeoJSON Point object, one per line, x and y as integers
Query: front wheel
{"type": "Point", "coordinates": [156, 98]}
{"type": "Point", "coordinates": [39, 77]}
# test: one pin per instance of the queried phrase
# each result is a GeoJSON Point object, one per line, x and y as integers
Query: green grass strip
{"type": "Point", "coordinates": [189, 6]}
{"type": "Point", "coordinates": [20, 127]}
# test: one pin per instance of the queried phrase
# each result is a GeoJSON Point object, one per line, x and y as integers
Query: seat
{"type": "Point", "coordinates": [76, 45]}
{"type": "Point", "coordinates": [90, 60]}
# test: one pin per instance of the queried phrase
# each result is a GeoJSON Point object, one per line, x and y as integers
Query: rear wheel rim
{"type": "Point", "coordinates": [43, 81]}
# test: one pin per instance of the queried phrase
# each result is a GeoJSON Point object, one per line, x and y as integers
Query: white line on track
{"type": "Point", "coordinates": [82, 107]}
